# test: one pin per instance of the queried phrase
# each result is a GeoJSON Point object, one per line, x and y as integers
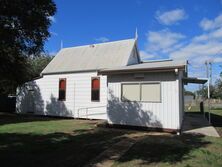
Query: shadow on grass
{"type": "Point", "coordinates": [163, 149]}
{"type": "Point", "coordinates": [216, 121]}
{"type": "Point", "coordinates": [56, 149]}
{"type": "Point", "coordinates": [194, 120]}
{"type": "Point", "coordinates": [82, 146]}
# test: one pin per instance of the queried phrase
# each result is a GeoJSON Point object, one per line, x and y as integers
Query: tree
{"type": "Point", "coordinates": [215, 89]}
{"type": "Point", "coordinates": [204, 92]}
{"type": "Point", "coordinates": [218, 88]}
{"type": "Point", "coordinates": [23, 29]}
{"type": "Point", "coordinates": [37, 64]}
{"type": "Point", "coordinates": [187, 92]}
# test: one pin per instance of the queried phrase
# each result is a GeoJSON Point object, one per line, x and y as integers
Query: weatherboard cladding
{"type": "Point", "coordinates": [91, 57]}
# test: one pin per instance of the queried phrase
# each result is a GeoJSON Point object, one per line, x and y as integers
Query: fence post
{"type": "Point", "coordinates": [201, 107]}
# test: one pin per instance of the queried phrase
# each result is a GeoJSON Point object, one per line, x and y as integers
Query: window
{"type": "Point", "coordinates": [150, 92]}
{"type": "Point", "coordinates": [146, 92]}
{"type": "Point", "coordinates": [95, 89]}
{"type": "Point", "coordinates": [130, 92]}
{"type": "Point", "coordinates": [62, 89]}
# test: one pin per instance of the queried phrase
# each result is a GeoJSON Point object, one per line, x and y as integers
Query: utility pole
{"type": "Point", "coordinates": [210, 69]}
{"type": "Point", "coordinates": [207, 72]}
{"type": "Point", "coordinates": [207, 63]}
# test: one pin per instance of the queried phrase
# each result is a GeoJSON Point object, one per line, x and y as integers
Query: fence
{"type": "Point", "coordinates": [194, 105]}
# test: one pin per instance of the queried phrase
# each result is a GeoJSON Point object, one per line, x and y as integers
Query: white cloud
{"type": "Point", "coordinates": [207, 46]}
{"type": "Point", "coordinates": [52, 19]}
{"type": "Point", "coordinates": [171, 17]}
{"type": "Point", "coordinates": [102, 39]}
{"type": "Point", "coordinates": [201, 48]}
{"type": "Point", "coordinates": [207, 24]}
{"type": "Point", "coordinates": [162, 40]}
{"type": "Point", "coordinates": [145, 56]}
{"type": "Point", "coordinates": [198, 51]}
{"type": "Point", "coordinates": [213, 35]}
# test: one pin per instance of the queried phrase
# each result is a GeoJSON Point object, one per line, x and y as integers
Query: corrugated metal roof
{"type": "Point", "coordinates": [91, 57]}
{"type": "Point", "coordinates": [166, 64]}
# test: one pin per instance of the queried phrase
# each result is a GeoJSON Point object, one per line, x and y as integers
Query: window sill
{"type": "Point", "coordinates": [95, 100]}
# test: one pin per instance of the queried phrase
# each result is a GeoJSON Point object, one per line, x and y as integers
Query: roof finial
{"type": "Point", "coordinates": [61, 45]}
{"type": "Point", "coordinates": [136, 34]}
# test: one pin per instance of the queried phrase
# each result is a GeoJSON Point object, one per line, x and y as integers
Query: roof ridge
{"type": "Point", "coordinates": [101, 43]}
{"type": "Point", "coordinates": [160, 60]}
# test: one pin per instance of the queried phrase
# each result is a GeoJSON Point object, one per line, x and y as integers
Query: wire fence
{"type": "Point", "coordinates": [194, 104]}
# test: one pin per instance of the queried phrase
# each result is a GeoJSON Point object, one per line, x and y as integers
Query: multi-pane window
{"type": "Point", "coordinates": [95, 89]}
{"type": "Point", "coordinates": [62, 89]}
{"type": "Point", "coordinates": [150, 92]}
{"type": "Point", "coordinates": [145, 92]}
{"type": "Point", "coordinates": [130, 92]}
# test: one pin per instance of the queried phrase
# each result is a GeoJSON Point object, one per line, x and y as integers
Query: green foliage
{"type": "Point", "coordinates": [204, 91]}
{"type": "Point", "coordinates": [23, 29]}
{"type": "Point", "coordinates": [215, 90]}
{"type": "Point", "coordinates": [218, 88]}
{"type": "Point", "coordinates": [37, 64]}
{"type": "Point", "coordinates": [186, 92]}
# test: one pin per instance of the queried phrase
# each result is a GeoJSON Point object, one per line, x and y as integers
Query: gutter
{"type": "Point", "coordinates": [68, 72]}
{"type": "Point", "coordinates": [127, 71]}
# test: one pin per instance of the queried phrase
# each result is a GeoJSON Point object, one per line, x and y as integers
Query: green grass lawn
{"type": "Point", "coordinates": [178, 151]}
{"type": "Point", "coordinates": [35, 141]}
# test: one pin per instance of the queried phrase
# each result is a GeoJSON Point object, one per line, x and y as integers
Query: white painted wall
{"type": "Point", "coordinates": [166, 114]}
{"type": "Point", "coordinates": [149, 114]}
{"type": "Point", "coordinates": [78, 96]}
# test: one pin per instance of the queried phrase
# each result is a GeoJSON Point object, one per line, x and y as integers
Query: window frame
{"type": "Point", "coordinates": [129, 83]}
{"type": "Point", "coordinates": [92, 78]}
{"type": "Point", "coordinates": [60, 79]}
{"type": "Point", "coordinates": [151, 101]}
{"type": "Point", "coordinates": [140, 85]}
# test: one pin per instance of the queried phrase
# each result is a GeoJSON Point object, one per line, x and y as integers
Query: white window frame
{"type": "Point", "coordinates": [122, 92]}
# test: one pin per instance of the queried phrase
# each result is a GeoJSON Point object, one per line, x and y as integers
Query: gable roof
{"type": "Point", "coordinates": [91, 57]}
{"type": "Point", "coordinates": [149, 66]}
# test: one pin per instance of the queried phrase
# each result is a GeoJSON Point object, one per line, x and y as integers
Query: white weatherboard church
{"type": "Point", "coordinates": [109, 81]}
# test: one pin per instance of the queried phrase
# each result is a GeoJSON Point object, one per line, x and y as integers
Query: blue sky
{"type": "Point", "coordinates": [188, 29]}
